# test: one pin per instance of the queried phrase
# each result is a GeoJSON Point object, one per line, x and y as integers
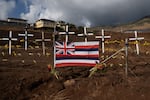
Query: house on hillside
{"type": "Point", "coordinates": [13, 22]}
{"type": "Point", "coordinates": [17, 20]}
{"type": "Point", "coordinates": [45, 23]}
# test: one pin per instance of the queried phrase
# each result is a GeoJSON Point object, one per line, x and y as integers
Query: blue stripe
{"type": "Point", "coordinates": [86, 49]}
{"type": "Point", "coordinates": [63, 58]}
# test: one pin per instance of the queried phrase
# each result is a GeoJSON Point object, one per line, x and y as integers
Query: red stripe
{"type": "Point", "coordinates": [62, 55]}
{"type": "Point", "coordinates": [93, 46]}
{"type": "Point", "coordinates": [75, 64]}
{"type": "Point", "coordinates": [65, 50]}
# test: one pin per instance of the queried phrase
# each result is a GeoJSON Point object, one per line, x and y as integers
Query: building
{"type": "Point", "coordinates": [13, 22]}
{"type": "Point", "coordinates": [17, 20]}
{"type": "Point", "coordinates": [45, 23]}
{"type": "Point", "coordinates": [61, 24]}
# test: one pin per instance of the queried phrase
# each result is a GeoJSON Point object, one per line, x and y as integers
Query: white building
{"type": "Point", "coordinates": [45, 23]}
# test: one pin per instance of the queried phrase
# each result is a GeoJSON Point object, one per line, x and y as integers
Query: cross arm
{"type": "Point", "coordinates": [47, 39]}
{"type": "Point", "coordinates": [4, 38]}
{"type": "Point", "coordinates": [14, 39]}
{"type": "Point", "coordinates": [80, 34]}
{"type": "Point", "coordinates": [62, 33]}
{"type": "Point", "coordinates": [90, 34]}
{"type": "Point", "coordinates": [97, 37]}
{"type": "Point", "coordinates": [71, 32]}
{"type": "Point", "coordinates": [38, 40]}
{"type": "Point", "coordinates": [141, 38]}
{"type": "Point", "coordinates": [30, 35]}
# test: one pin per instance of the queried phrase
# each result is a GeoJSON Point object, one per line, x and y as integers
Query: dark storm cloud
{"type": "Point", "coordinates": [88, 12]}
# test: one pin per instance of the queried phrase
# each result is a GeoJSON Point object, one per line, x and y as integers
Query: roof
{"type": "Point", "coordinates": [17, 19]}
{"type": "Point", "coordinates": [46, 20]}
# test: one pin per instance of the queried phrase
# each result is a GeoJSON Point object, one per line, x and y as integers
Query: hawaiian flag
{"type": "Point", "coordinates": [76, 54]}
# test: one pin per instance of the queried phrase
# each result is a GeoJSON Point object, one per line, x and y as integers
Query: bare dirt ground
{"type": "Point", "coordinates": [26, 77]}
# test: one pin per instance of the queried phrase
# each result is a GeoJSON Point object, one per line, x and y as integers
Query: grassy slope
{"type": "Point", "coordinates": [141, 24]}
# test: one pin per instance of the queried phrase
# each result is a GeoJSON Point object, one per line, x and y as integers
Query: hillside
{"type": "Point", "coordinates": [142, 24]}
{"type": "Point", "coordinates": [24, 74]}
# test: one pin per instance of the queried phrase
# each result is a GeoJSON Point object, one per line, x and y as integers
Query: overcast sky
{"type": "Point", "coordinates": [79, 12]}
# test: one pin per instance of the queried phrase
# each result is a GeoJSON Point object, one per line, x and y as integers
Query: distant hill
{"type": "Point", "coordinates": [142, 24]}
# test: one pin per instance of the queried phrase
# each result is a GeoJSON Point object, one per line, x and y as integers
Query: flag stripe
{"type": "Point", "coordinates": [75, 64]}
{"type": "Point", "coordinates": [77, 61]}
{"type": "Point", "coordinates": [74, 58]}
{"type": "Point", "coordinates": [86, 53]}
{"type": "Point", "coordinates": [62, 55]}
{"type": "Point", "coordinates": [92, 43]}
{"type": "Point", "coordinates": [87, 49]}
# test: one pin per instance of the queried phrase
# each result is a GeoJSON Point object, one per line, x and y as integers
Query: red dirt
{"type": "Point", "coordinates": [33, 81]}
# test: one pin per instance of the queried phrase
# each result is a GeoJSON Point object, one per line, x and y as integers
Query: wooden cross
{"type": "Point", "coordinates": [26, 35]}
{"type": "Point", "coordinates": [126, 54]}
{"type": "Point", "coordinates": [66, 33]}
{"type": "Point", "coordinates": [85, 34]}
{"type": "Point", "coordinates": [10, 39]}
{"type": "Point", "coordinates": [43, 40]}
{"type": "Point", "coordinates": [103, 37]}
{"type": "Point", "coordinates": [136, 39]}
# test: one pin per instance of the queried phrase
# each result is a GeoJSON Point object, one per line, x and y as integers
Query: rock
{"type": "Point", "coordinates": [70, 82]}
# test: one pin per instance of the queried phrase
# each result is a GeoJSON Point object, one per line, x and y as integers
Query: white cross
{"type": "Point", "coordinates": [43, 40]}
{"type": "Point", "coordinates": [103, 40]}
{"type": "Point", "coordinates": [66, 33]}
{"type": "Point", "coordinates": [10, 39]}
{"type": "Point", "coordinates": [85, 34]}
{"type": "Point", "coordinates": [26, 35]}
{"type": "Point", "coordinates": [136, 39]}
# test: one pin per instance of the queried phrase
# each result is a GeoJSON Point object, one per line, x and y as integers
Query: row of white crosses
{"type": "Point", "coordinates": [136, 39]}
{"type": "Point", "coordinates": [26, 35]}
{"type": "Point", "coordinates": [67, 33]}
{"type": "Point", "coordinates": [102, 37]}
{"type": "Point", "coordinates": [43, 40]}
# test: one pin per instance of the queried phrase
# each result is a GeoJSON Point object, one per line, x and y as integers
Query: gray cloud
{"type": "Point", "coordinates": [88, 12]}
{"type": "Point", "coordinates": [6, 7]}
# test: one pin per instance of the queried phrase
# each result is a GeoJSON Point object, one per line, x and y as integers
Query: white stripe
{"type": "Point", "coordinates": [76, 61]}
{"type": "Point", "coordinates": [86, 52]}
{"type": "Point", "coordinates": [86, 43]}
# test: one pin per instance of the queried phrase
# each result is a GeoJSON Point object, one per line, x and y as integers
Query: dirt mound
{"type": "Point", "coordinates": [32, 82]}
